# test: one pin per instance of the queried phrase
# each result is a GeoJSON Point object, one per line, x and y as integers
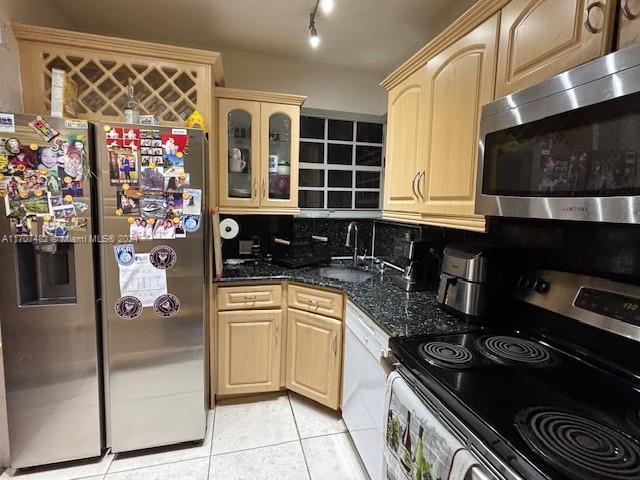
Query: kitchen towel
{"type": "Point", "coordinates": [416, 444]}
{"type": "Point", "coordinates": [463, 462]}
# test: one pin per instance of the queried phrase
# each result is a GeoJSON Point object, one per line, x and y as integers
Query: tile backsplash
{"type": "Point", "coordinates": [513, 245]}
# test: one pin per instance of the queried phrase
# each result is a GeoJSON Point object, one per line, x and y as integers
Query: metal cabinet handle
{"type": "Point", "coordinates": [335, 343]}
{"type": "Point", "coordinates": [626, 11]}
{"type": "Point", "coordinates": [255, 187]}
{"type": "Point", "coordinates": [413, 185]}
{"type": "Point", "coordinates": [422, 174]}
{"type": "Point", "coordinates": [277, 334]}
{"type": "Point", "coordinates": [587, 21]}
{"type": "Point", "coordinates": [264, 190]}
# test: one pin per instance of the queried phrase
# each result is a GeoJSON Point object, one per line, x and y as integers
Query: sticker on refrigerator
{"type": "Point", "coordinates": [45, 130]}
{"type": "Point", "coordinates": [142, 280]}
{"type": "Point", "coordinates": [163, 257]}
{"type": "Point", "coordinates": [166, 305]}
{"type": "Point", "coordinates": [192, 201]}
{"type": "Point", "coordinates": [128, 307]}
{"type": "Point", "coordinates": [74, 124]}
{"type": "Point", "coordinates": [125, 254]}
{"type": "Point", "coordinates": [123, 166]}
{"type": "Point", "coordinates": [191, 223]}
{"type": "Point", "coordinates": [7, 123]}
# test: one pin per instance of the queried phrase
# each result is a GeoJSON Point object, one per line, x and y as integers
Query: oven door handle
{"type": "Point", "coordinates": [390, 363]}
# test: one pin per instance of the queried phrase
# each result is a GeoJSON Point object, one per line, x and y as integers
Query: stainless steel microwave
{"type": "Point", "coordinates": [567, 148]}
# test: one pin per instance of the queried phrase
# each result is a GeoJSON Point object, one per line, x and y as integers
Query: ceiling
{"type": "Point", "coordinates": [373, 35]}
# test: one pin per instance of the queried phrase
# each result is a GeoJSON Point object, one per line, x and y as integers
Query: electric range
{"type": "Point", "coordinates": [553, 395]}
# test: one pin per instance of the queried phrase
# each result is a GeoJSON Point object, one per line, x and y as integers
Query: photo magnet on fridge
{"type": "Point", "coordinates": [125, 254]}
{"type": "Point", "coordinates": [128, 307]}
{"type": "Point", "coordinates": [192, 204]}
{"type": "Point", "coordinates": [123, 165]}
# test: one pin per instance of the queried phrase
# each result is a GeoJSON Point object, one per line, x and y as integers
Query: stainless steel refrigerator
{"type": "Point", "coordinates": [153, 257]}
{"type": "Point", "coordinates": [48, 308]}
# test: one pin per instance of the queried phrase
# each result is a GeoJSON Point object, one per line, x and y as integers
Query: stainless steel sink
{"type": "Point", "coordinates": [346, 274]}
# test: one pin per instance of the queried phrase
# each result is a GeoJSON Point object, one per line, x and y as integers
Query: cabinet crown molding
{"type": "Point", "coordinates": [256, 95]}
{"type": "Point", "coordinates": [473, 17]}
{"type": "Point", "coordinates": [54, 36]}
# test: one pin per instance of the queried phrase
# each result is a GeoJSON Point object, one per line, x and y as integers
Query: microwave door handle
{"type": "Point", "coordinates": [587, 13]}
{"type": "Point", "coordinates": [626, 11]}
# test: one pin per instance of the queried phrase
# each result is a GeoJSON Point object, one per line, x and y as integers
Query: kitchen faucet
{"type": "Point", "coordinates": [347, 243]}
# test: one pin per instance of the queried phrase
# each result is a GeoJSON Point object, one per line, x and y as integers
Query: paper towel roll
{"type": "Point", "coordinates": [229, 228]}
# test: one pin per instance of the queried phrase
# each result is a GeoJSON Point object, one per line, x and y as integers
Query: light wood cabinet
{"type": "Point", "coordinates": [405, 138]}
{"type": "Point", "coordinates": [317, 301]}
{"type": "Point", "coordinates": [314, 356]}
{"type": "Point", "coordinates": [628, 23]}
{"type": "Point", "coordinates": [249, 350]}
{"type": "Point", "coordinates": [249, 297]}
{"type": "Point", "coordinates": [460, 79]}
{"type": "Point", "coordinates": [542, 38]}
{"type": "Point", "coordinates": [258, 137]}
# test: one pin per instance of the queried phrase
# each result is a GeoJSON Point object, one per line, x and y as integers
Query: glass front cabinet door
{"type": "Point", "coordinates": [280, 132]}
{"type": "Point", "coordinates": [239, 153]}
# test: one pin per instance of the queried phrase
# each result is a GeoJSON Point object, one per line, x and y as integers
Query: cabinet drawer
{"type": "Point", "coordinates": [316, 301]}
{"type": "Point", "coordinates": [249, 297]}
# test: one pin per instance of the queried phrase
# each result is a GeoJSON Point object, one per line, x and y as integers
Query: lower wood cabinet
{"type": "Point", "coordinates": [293, 341]}
{"type": "Point", "coordinates": [249, 349]}
{"type": "Point", "coordinates": [314, 356]}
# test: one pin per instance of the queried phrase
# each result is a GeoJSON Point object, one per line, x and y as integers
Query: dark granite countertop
{"type": "Point", "coordinates": [397, 312]}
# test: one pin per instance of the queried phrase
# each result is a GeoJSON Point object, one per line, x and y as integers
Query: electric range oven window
{"type": "Point", "coordinates": [588, 152]}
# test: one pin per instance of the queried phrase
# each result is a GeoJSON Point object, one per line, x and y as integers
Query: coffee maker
{"type": "Point", "coordinates": [421, 264]}
{"type": "Point", "coordinates": [462, 288]}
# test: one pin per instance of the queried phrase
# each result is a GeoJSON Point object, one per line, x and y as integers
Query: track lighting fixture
{"type": "Point", "coordinates": [327, 7]}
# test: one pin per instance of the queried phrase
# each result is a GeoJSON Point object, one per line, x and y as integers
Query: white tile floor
{"type": "Point", "coordinates": [277, 436]}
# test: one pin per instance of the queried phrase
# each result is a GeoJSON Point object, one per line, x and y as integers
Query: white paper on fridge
{"type": "Point", "coordinates": [142, 280]}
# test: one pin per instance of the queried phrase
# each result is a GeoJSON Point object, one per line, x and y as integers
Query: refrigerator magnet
{"type": "Point", "coordinates": [191, 223]}
{"type": "Point", "coordinates": [166, 305]}
{"type": "Point", "coordinates": [7, 123]}
{"type": "Point", "coordinates": [128, 307]}
{"type": "Point", "coordinates": [125, 254]}
{"type": "Point", "coordinates": [163, 257]}
{"type": "Point", "coordinates": [45, 130]}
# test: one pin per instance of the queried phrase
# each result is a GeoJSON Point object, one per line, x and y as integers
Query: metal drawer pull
{"type": "Point", "coordinates": [587, 13]}
{"type": "Point", "coordinates": [312, 301]}
{"type": "Point", "coordinates": [626, 11]}
{"type": "Point", "coordinates": [249, 297]}
{"type": "Point", "coordinates": [413, 185]}
{"type": "Point", "coordinates": [422, 174]}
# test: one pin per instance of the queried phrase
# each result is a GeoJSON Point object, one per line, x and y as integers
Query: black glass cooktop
{"type": "Point", "coordinates": [557, 414]}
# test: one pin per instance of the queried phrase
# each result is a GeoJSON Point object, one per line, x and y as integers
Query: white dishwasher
{"type": "Point", "coordinates": [363, 387]}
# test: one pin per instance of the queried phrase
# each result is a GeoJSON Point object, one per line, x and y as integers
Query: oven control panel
{"type": "Point", "coordinates": [610, 304]}
{"type": "Point", "coordinates": [601, 303]}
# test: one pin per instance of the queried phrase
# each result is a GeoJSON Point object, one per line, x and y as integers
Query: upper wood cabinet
{"type": "Point", "coordinates": [460, 79]}
{"type": "Point", "coordinates": [314, 357]}
{"type": "Point", "coordinates": [405, 136]}
{"type": "Point", "coordinates": [628, 23]}
{"type": "Point", "coordinates": [258, 138]}
{"type": "Point", "coordinates": [249, 349]}
{"type": "Point", "coordinates": [541, 38]}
